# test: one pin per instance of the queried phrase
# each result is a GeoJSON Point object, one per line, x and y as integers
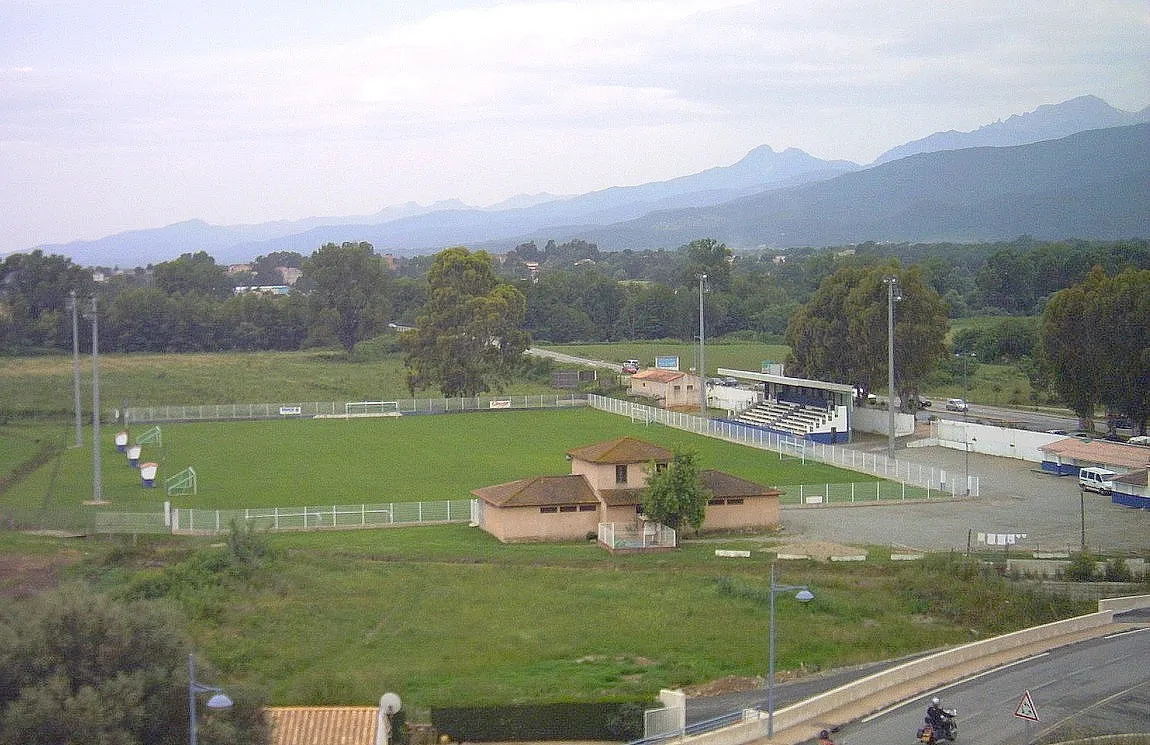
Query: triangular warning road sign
{"type": "Point", "coordinates": [1026, 708]}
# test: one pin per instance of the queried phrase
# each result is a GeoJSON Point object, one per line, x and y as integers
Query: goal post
{"type": "Point", "coordinates": [183, 483]}
{"type": "Point", "coordinates": [153, 436]}
{"type": "Point", "coordinates": [370, 408]}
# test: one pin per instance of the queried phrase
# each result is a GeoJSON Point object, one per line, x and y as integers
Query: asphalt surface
{"type": "Point", "coordinates": [1016, 497]}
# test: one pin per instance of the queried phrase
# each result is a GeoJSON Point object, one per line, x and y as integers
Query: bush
{"type": "Point", "coordinates": [1081, 567]}
{"type": "Point", "coordinates": [1118, 571]}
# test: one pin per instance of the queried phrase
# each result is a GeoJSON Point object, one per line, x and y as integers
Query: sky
{"type": "Point", "coordinates": [126, 115]}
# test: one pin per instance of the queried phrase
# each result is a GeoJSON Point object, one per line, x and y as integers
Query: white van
{"type": "Point", "coordinates": [1096, 479]}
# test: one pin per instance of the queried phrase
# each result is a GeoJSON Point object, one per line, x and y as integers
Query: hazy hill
{"type": "Point", "coordinates": [1093, 184]}
{"type": "Point", "coordinates": [723, 202]}
{"type": "Point", "coordinates": [1048, 122]}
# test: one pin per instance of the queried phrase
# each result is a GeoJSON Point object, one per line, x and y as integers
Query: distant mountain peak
{"type": "Point", "coordinates": [1047, 122]}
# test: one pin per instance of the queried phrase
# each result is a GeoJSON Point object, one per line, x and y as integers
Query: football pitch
{"type": "Point", "coordinates": [295, 462]}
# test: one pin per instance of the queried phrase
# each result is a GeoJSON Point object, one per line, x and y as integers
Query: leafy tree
{"type": "Point", "coordinates": [349, 290]}
{"type": "Point", "coordinates": [841, 334]}
{"type": "Point", "coordinates": [674, 496]}
{"type": "Point", "coordinates": [194, 273]}
{"type": "Point", "coordinates": [34, 296]}
{"type": "Point", "coordinates": [78, 667]}
{"type": "Point", "coordinates": [711, 257]}
{"type": "Point", "coordinates": [468, 338]}
{"type": "Point", "coordinates": [266, 269]}
{"type": "Point", "coordinates": [1096, 343]}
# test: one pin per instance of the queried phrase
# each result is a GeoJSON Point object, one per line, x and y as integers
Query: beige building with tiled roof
{"type": "Point", "coordinates": [669, 388]}
{"type": "Point", "coordinates": [606, 486]}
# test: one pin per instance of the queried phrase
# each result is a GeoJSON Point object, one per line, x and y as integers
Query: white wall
{"type": "Point", "coordinates": [877, 421]}
{"type": "Point", "coordinates": [991, 440]}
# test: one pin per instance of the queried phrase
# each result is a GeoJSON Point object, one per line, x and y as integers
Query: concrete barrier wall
{"type": "Point", "coordinates": [905, 675]}
{"type": "Point", "coordinates": [1117, 605]}
{"type": "Point", "coordinates": [988, 439]}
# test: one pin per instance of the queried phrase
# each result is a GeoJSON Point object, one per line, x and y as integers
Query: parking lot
{"type": "Point", "coordinates": [1016, 498]}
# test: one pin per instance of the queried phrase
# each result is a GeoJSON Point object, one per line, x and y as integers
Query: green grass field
{"type": "Point", "coordinates": [372, 460]}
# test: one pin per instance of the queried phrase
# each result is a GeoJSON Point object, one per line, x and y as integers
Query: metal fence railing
{"type": "Point", "coordinates": [189, 520]}
{"type": "Point", "coordinates": [931, 480]}
{"type": "Point", "coordinates": [339, 409]}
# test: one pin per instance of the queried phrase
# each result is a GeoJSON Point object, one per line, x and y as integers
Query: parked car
{"type": "Point", "coordinates": [1100, 480]}
{"type": "Point", "coordinates": [957, 404]}
{"type": "Point", "coordinates": [730, 382]}
{"type": "Point", "coordinates": [924, 403]}
{"type": "Point", "coordinates": [630, 367]}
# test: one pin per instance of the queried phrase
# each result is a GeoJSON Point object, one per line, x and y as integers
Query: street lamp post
{"type": "Point", "coordinates": [219, 701]}
{"type": "Point", "coordinates": [804, 595]}
{"type": "Point", "coordinates": [893, 294]}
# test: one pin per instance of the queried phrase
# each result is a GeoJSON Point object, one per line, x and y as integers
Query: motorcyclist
{"type": "Point", "coordinates": [938, 718]}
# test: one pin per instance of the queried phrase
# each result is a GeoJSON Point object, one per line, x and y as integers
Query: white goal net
{"type": "Point", "coordinates": [370, 408]}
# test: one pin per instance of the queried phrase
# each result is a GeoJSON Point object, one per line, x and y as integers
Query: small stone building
{"type": "Point", "coordinates": [606, 486]}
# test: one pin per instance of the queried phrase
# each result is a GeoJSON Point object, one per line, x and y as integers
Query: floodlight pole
{"type": "Point", "coordinates": [702, 363]}
{"type": "Point", "coordinates": [891, 283]}
{"type": "Point", "coordinates": [76, 367]}
{"type": "Point", "coordinates": [97, 487]}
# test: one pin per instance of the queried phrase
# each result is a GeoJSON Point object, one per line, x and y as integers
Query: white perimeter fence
{"type": "Point", "coordinates": [933, 481]}
{"type": "Point", "coordinates": [206, 521]}
{"type": "Point", "coordinates": [339, 409]}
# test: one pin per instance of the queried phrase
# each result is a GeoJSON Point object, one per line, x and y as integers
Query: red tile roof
{"type": "Point", "coordinates": [322, 725]}
{"type": "Point", "coordinates": [1099, 451]}
{"type": "Point", "coordinates": [725, 485]}
{"type": "Point", "coordinates": [658, 376]}
{"type": "Point", "coordinates": [621, 451]}
{"type": "Point", "coordinates": [538, 491]}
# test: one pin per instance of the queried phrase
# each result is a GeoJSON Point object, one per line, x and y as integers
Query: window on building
{"type": "Point", "coordinates": [568, 508]}
{"type": "Point", "coordinates": [587, 508]}
{"type": "Point", "coordinates": [621, 474]}
{"type": "Point", "coordinates": [548, 509]}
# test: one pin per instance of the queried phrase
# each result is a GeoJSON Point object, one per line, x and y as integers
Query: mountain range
{"type": "Point", "coordinates": [1080, 169]}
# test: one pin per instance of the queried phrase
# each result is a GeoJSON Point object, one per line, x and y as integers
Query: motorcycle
{"type": "Point", "coordinates": [947, 729]}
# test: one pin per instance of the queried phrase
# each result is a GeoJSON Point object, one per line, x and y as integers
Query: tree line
{"type": "Point", "coordinates": [473, 312]}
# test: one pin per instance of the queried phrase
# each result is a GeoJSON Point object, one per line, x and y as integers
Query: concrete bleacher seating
{"type": "Point", "coordinates": [795, 419]}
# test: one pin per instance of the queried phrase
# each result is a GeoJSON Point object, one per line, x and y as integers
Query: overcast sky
{"type": "Point", "coordinates": [125, 115]}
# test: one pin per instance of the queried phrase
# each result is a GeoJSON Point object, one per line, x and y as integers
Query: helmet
{"type": "Point", "coordinates": [935, 701]}
{"type": "Point", "coordinates": [824, 734]}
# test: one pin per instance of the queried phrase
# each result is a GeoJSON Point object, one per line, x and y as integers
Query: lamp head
{"type": "Point", "coordinates": [220, 701]}
{"type": "Point", "coordinates": [804, 596]}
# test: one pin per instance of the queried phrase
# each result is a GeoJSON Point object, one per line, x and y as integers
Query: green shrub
{"type": "Point", "coordinates": [1081, 567]}
{"type": "Point", "coordinates": [1118, 571]}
